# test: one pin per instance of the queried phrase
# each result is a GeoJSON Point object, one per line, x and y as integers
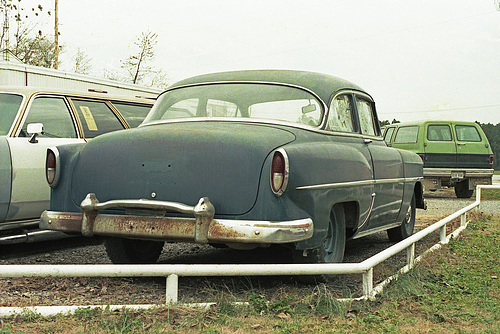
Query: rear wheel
{"type": "Point", "coordinates": [122, 251]}
{"type": "Point", "coordinates": [332, 248]}
{"type": "Point", "coordinates": [399, 233]}
{"type": "Point", "coordinates": [462, 189]}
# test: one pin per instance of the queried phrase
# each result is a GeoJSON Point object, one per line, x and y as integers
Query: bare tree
{"type": "Point", "coordinates": [136, 65]}
{"type": "Point", "coordinates": [82, 62]}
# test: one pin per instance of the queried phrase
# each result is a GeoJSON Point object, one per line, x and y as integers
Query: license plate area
{"type": "Point", "coordinates": [457, 175]}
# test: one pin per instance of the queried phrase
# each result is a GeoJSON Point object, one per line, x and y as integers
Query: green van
{"type": "Point", "coordinates": [455, 154]}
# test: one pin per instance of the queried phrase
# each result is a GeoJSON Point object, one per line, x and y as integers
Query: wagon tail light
{"type": "Point", "coordinates": [51, 166]}
{"type": "Point", "coordinates": [492, 159]}
{"type": "Point", "coordinates": [279, 172]}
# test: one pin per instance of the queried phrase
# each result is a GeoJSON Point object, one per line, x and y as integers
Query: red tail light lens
{"type": "Point", "coordinates": [51, 168]}
{"type": "Point", "coordinates": [279, 172]}
{"type": "Point", "coordinates": [422, 157]}
{"type": "Point", "coordinates": [492, 159]}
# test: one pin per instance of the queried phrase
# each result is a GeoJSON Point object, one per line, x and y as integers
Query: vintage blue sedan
{"type": "Point", "coordinates": [244, 159]}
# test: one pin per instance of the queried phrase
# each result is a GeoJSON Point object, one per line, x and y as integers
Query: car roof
{"type": "Point", "coordinates": [321, 84]}
{"type": "Point", "coordinates": [31, 90]}
{"type": "Point", "coordinates": [420, 123]}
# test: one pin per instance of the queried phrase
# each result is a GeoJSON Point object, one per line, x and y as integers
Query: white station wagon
{"type": "Point", "coordinates": [33, 119]}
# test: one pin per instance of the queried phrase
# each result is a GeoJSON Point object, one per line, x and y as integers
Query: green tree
{"type": "Point", "coordinates": [493, 134]}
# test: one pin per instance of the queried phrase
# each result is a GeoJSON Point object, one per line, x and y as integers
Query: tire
{"type": "Point", "coordinates": [403, 231]}
{"type": "Point", "coordinates": [125, 251]}
{"type": "Point", "coordinates": [462, 189]}
{"type": "Point", "coordinates": [331, 250]}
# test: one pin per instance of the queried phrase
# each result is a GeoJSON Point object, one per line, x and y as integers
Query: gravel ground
{"type": "Point", "coordinates": [87, 291]}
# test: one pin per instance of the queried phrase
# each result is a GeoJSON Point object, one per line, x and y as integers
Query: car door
{"type": "Point", "coordinates": [30, 192]}
{"type": "Point", "coordinates": [388, 171]}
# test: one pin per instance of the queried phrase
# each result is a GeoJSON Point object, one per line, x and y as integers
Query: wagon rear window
{"type": "Point", "coordinates": [239, 100]}
{"type": "Point", "coordinates": [9, 106]}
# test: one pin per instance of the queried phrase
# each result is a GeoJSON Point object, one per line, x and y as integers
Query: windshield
{"type": "Point", "coordinates": [9, 106]}
{"type": "Point", "coordinates": [239, 100]}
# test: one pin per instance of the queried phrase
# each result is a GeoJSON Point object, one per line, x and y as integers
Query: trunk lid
{"type": "Point", "coordinates": [179, 162]}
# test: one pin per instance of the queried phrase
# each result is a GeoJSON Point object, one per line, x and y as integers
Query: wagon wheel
{"type": "Point", "coordinates": [331, 249]}
{"type": "Point", "coordinates": [399, 233]}
{"type": "Point", "coordinates": [121, 250]}
{"type": "Point", "coordinates": [462, 189]}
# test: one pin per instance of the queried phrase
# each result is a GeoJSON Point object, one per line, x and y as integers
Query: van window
{"type": "Point", "coordinates": [134, 114]}
{"type": "Point", "coordinates": [54, 114]}
{"type": "Point", "coordinates": [406, 134]}
{"type": "Point", "coordinates": [467, 133]}
{"type": "Point", "coordinates": [439, 133]}
{"type": "Point", "coordinates": [340, 115]}
{"type": "Point", "coordinates": [96, 117]}
{"type": "Point", "coordinates": [388, 135]}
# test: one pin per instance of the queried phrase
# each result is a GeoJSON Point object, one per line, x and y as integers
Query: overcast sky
{"type": "Point", "coordinates": [426, 59]}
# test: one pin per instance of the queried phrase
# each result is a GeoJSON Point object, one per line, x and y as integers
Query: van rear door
{"type": "Point", "coordinates": [440, 148]}
{"type": "Point", "coordinates": [472, 146]}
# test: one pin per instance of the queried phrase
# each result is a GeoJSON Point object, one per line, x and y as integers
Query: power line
{"type": "Point", "coordinates": [440, 110]}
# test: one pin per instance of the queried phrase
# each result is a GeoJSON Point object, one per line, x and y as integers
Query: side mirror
{"type": "Point", "coordinates": [34, 129]}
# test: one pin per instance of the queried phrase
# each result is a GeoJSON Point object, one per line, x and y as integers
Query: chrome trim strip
{"type": "Point", "coordinates": [360, 183]}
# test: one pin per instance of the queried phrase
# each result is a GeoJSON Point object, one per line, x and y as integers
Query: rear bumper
{"type": "Point", "coordinates": [463, 172]}
{"type": "Point", "coordinates": [202, 228]}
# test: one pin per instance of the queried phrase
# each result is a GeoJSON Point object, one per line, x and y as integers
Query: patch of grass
{"type": "Point", "coordinates": [454, 290]}
{"type": "Point", "coordinates": [490, 194]}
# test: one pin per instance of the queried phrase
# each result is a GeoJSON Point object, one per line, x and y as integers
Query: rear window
{"type": "Point", "coordinates": [439, 133]}
{"type": "Point", "coordinates": [406, 135]}
{"type": "Point", "coordinates": [467, 133]}
{"type": "Point", "coordinates": [9, 106]}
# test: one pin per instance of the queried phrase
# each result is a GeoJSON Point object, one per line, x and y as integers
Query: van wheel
{"type": "Point", "coordinates": [331, 249]}
{"type": "Point", "coordinates": [124, 251]}
{"type": "Point", "coordinates": [399, 233]}
{"type": "Point", "coordinates": [462, 189]}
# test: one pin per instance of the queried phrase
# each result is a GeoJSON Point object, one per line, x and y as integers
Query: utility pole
{"type": "Point", "coordinates": [56, 36]}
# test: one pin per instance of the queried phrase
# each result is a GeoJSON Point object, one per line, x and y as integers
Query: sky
{"type": "Point", "coordinates": [426, 59]}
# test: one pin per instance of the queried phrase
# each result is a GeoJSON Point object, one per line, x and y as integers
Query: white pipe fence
{"type": "Point", "coordinates": [173, 271]}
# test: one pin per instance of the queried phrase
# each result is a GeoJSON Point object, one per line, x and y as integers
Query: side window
{"type": "Point", "coordinates": [340, 114]}
{"type": "Point", "coordinates": [55, 116]}
{"type": "Point", "coordinates": [96, 117]}
{"type": "Point", "coordinates": [467, 133]}
{"type": "Point", "coordinates": [406, 135]}
{"type": "Point", "coordinates": [366, 117]}
{"type": "Point", "coordinates": [388, 135]}
{"type": "Point", "coordinates": [134, 114]}
{"type": "Point", "coordinates": [439, 133]}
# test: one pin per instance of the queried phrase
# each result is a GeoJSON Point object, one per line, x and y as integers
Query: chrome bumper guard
{"type": "Point", "coordinates": [203, 228]}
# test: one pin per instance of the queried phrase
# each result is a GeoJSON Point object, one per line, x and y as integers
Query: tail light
{"type": "Point", "coordinates": [492, 159]}
{"type": "Point", "coordinates": [422, 157]}
{"type": "Point", "coordinates": [279, 172]}
{"type": "Point", "coordinates": [52, 166]}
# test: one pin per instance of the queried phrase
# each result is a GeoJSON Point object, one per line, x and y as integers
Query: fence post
{"type": "Point", "coordinates": [442, 233]}
{"type": "Point", "coordinates": [463, 219]}
{"type": "Point", "coordinates": [410, 255]}
{"type": "Point", "coordinates": [367, 283]}
{"type": "Point", "coordinates": [172, 291]}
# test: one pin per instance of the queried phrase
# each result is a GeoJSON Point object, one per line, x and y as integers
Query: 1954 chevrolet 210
{"type": "Point", "coordinates": [245, 159]}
